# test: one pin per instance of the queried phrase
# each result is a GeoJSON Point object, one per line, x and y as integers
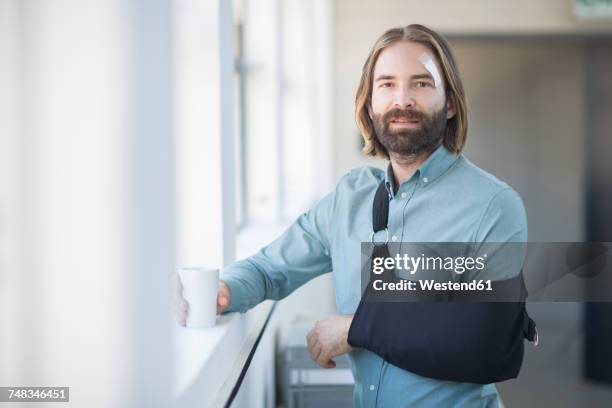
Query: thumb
{"type": "Point", "coordinates": [222, 302]}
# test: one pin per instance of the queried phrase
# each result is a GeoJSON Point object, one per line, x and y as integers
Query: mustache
{"type": "Point", "coordinates": [408, 114]}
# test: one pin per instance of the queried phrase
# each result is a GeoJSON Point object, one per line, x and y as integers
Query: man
{"type": "Point", "coordinates": [411, 110]}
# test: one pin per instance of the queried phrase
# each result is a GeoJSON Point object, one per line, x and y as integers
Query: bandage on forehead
{"type": "Point", "coordinates": [430, 66]}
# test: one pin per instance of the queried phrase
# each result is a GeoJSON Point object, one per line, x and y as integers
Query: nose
{"type": "Point", "coordinates": [404, 98]}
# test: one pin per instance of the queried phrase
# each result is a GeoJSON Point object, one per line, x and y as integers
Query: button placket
{"type": "Point", "coordinates": [409, 197]}
{"type": "Point", "coordinates": [375, 385]}
{"type": "Point", "coordinates": [397, 227]}
{"type": "Point", "coordinates": [394, 206]}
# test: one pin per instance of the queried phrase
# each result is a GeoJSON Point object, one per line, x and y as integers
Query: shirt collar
{"type": "Point", "coordinates": [436, 164]}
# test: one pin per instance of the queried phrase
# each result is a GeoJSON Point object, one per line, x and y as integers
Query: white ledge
{"type": "Point", "coordinates": [207, 362]}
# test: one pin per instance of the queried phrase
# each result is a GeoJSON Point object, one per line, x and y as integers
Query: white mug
{"type": "Point", "coordinates": [200, 287]}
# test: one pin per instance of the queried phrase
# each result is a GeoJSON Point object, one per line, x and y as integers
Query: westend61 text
{"type": "Point", "coordinates": [475, 285]}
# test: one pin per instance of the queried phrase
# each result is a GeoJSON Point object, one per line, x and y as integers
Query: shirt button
{"type": "Point", "coordinates": [394, 238]}
{"type": "Point", "coordinates": [372, 387]}
{"type": "Point", "coordinates": [404, 195]}
{"type": "Point", "coordinates": [425, 180]}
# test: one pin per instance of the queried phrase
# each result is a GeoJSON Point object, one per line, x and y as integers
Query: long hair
{"type": "Point", "coordinates": [456, 127]}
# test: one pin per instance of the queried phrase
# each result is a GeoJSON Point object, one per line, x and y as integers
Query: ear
{"type": "Point", "coordinates": [370, 112]}
{"type": "Point", "coordinates": [451, 110]}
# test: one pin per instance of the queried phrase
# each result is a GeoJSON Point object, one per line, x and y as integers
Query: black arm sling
{"type": "Point", "coordinates": [474, 342]}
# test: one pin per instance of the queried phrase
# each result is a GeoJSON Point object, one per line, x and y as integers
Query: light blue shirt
{"type": "Point", "coordinates": [448, 199]}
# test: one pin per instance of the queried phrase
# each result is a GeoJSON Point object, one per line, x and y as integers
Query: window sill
{"type": "Point", "coordinates": [208, 361]}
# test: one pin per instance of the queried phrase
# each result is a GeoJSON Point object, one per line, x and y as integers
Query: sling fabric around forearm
{"type": "Point", "coordinates": [464, 341]}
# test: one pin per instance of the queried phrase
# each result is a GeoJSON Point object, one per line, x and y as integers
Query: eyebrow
{"type": "Point", "coordinates": [413, 77]}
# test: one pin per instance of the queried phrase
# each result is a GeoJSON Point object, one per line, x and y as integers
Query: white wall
{"type": "Point", "coordinates": [475, 16]}
{"type": "Point", "coordinates": [526, 126]}
{"type": "Point", "coordinates": [263, 57]}
{"type": "Point", "coordinates": [307, 103]}
{"type": "Point", "coordinates": [91, 231]}
{"type": "Point", "coordinates": [358, 23]}
{"type": "Point", "coordinates": [9, 201]}
{"type": "Point", "coordinates": [203, 64]}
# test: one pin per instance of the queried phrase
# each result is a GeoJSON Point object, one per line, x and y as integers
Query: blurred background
{"type": "Point", "coordinates": [136, 137]}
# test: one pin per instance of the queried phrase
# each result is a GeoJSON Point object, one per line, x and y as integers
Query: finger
{"type": "Point", "coordinates": [223, 288]}
{"type": "Point", "coordinates": [313, 349]}
{"type": "Point", "coordinates": [310, 345]}
{"type": "Point", "coordinates": [180, 302]}
{"type": "Point", "coordinates": [224, 293]}
{"type": "Point", "coordinates": [309, 337]}
{"type": "Point", "coordinates": [323, 357]}
{"type": "Point", "coordinates": [330, 364]}
{"type": "Point", "coordinates": [311, 334]}
{"type": "Point", "coordinates": [182, 319]}
{"type": "Point", "coordinates": [178, 285]}
{"type": "Point", "coordinates": [222, 304]}
{"type": "Point", "coordinates": [324, 361]}
{"type": "Point", "coordinates": [183, 305]}
{"type": "Point", "coordinates": [223, 300]}
{"type": "Point", "coordinates": [316, 351]}
{"type": "Point", "coordinates": [312, 339]}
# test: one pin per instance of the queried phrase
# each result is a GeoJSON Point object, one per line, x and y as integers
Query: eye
{"type": "Point", "coordinates": [386, 85]}
{"type": "Point", "coordinates": [422, 84]}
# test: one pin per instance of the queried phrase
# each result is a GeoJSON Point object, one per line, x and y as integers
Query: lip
{"type": "Point", "coordinates": [404, 123]}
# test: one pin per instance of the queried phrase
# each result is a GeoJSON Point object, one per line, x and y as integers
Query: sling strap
{"type": "Point", "coordinates": [380, 221]}
{"type": "Point", "coordinates": [461, 341]}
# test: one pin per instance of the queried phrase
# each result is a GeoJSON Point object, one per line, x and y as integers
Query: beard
{"type": "Point", "coordinates": [411, 142]}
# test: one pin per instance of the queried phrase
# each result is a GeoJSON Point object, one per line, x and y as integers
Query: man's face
{"type": "Point", "coordinates": [409, 108]}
